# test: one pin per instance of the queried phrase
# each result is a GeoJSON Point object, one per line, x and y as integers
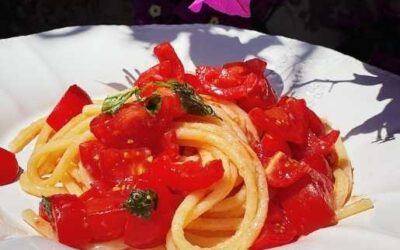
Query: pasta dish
{"type": "Point", "coordinates": [211, 159]}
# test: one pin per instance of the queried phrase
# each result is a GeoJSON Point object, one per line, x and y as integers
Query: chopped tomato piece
{"type": "Point", "coordinates": [90, 157]}
{"type": "Point", "coordinates": [119, 164]}
{"type": "Point", "coordinates": [149, 232]}
{"type": "Point", "coordinates": [319, 163]}
{"type": "Point", "coordinates": [169, 105]}
{"type": "Point", "coordinates": [273, 144]}
{"type": "Point", "coordinates": [9, 168]}
{"type": "Point", "coordinates": [193, 81]}
{"type": "Point", "coordinates": [106, 218]}
{"type": "Point", "coordinates": [321, 145]}
{"type": "Point", "coordinates": [297, 113]}
{"type": "Point", "coordinates": [169, 145]}
{"type": "Point", "coordinates": [315, 123]}
{"type": "Point", "coordinates": [240, 81]}
{"type": "Point", "coordinates": [70, 105]}
{"type": "Point", "coordinates": [69, 219]}
{"type": "Point", "coordinates": [274, 121]}
{"type": "Point", "coordinates": [165, 52]}
{"type": "Point", "coordinates": [277, 230]}
{"type": "Point", "coordinates": [283, 171]}
{"type": "Point", "coordinates": [97, 190]}
{"type": "Point", "coordinates": [308, 203]}
{"type": "Point", "coordinates": [106, 225]}
{"type": "Point", "coordinates": [187, 176]}
{"type": "Point", "coordinates": [131, 127]}
{"type": "Point", "coordinates": [169, 68]}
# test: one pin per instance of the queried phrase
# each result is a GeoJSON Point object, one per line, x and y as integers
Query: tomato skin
{"type": "Point", "coordinates": [277, 230]}
{"type": "Point", "coordinates": [9, 168]}
{"type": "Point", "coordinates": [272, 144]}
{"type": "Point", "coordinates": [131, 127]}
{"type": "Point", "coordinates": [146, 233]}
{"type": "Point", "coordinates": [284, 171]}
{"type": "Point", "coordinates": [70, 221]}
{"type": "Point", "coordinates": [90, 155]}
{"type": "Point", "coordinates": [308, 203]}
{"type": "Point", "coordinates": [70, 105]}
{"type": "Point", "coordinates": [188, 176]}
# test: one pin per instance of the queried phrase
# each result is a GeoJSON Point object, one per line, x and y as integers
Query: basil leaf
{"type": "Point", "coordinates": [191, 101]}
{"type": "Point", "coordinates": [153, 103]}
{"type": "Point", "coordinates": [113, 103]}
{"type": "Point", "coordinates": [141, 203]}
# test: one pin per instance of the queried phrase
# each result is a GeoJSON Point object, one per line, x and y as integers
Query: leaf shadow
{"type": "Point", "coordinates": [386, 123]}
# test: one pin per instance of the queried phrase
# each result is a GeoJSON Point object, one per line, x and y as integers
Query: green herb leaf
{"type": "Point", "coordinates": [114, 102]}
{"type": "Point", "coordinates": [191, 101]}
{"type": "Point", "coordinates": [153, 103]}
{"type": "Point", "coordinates": [45, 202]}
{"type": "Point", "coordinates": [141, 203]}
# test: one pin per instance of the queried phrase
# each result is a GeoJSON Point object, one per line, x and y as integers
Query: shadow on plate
{"type": "Point", "coordinates": [386, 124]}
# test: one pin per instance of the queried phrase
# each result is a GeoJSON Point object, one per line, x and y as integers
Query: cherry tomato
{"type": "Point", "coordinates": [9, 168]}
{"type": "Point", "coordinates": [69, 220]}
{"type": "Point", "coordinates": [277, 230]}
{"type": "Point", "coordinates": [69, 106]}
{"type": "Point", "coordinates": [187, 176]}
{"type": "Point", "coordinates": [308, 203]}
{"type": "Point", "coordinates": [119, 164]}
{"type": "Point", "coordinates": [150, 232]}
{"type": "Point", "coordinates": [131, 127]}
{"type": "Point", "coordinates": [90, 155]}
{"type": "Point", "coordinates": [282, 171]}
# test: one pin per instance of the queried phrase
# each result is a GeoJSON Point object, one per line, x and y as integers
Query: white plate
{"type": "Point", "coordinates": [360, 100]}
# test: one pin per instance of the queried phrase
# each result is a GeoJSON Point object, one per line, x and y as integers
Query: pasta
{"type": "Point", "coordinates": [229, 213]}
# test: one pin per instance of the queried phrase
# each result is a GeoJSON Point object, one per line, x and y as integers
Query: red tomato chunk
{"type": "Point", "coordinates": [9, 168]}
{"type": "Point", "coordinates": [70, 105]}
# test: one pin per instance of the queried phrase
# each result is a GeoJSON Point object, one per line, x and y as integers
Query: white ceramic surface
{"type": "Point", "coordinates": [360, 100]}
